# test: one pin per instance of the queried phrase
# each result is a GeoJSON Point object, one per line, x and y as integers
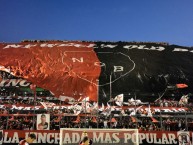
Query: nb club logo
{"type": "Point", "coordinates": [117, 65]}
{"type": "Point", "coordinates": [183, 138]}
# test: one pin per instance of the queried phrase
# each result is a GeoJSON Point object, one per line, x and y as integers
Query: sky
{"type": "Point", "coordinates": [97, 20]}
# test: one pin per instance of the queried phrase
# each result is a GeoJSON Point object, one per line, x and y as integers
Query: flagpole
{"type": "Point", "coordinates": [97, 102]}
{"type": "Point", "coordinates": [186, 123]}
{"type": "Point", "coordinates": [161, 125]}
{"type": "Point", "coordinates": [85, 112]}
{"type": "Point", "coordinates": [34, 108]}
{"type": "Point", "coordinates": [110, 93]}
{"type": "Point", "coordinates": [60, 113]}
{"type": "Point", "coordinates": [136, 110]}
{"type": "Point", "coordinates": [161, 95]}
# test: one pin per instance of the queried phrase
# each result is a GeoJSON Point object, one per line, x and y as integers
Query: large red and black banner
{"type": "Point", "coordinates": [144, 137]}
{"type": "Point", "coordinates": [76, 68]}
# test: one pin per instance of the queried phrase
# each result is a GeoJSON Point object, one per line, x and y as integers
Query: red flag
{"type": "Point", "coordinates": [154, 120]}
{"type": "Point", "coordinates": [181, 86]}
{"type": "Point", "coordinates": [94, 119]}
{"type": "Point", "coordinates": [133, 119]}
{"type": "Point", "coordinates": [77, 119]}
{"type": "Point", "coordinates": [72, 62]}
{"type": "Point", "coordinates": [113, 120]}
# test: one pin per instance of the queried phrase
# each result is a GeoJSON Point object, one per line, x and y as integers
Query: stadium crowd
{"type": "Point", "coordinates": [23, 119]}
{"type": "Point", "coordinates": [61, 117]}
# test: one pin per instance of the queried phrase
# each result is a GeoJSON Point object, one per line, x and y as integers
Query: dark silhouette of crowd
{"type": "Point", "coordinates": [23, 119]}
{"type": "Point", "coordinates": [61, 117]}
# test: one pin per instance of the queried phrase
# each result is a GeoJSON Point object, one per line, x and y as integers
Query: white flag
{"type": "Point", "coordinates": [70, 100]}
{"type": "Point", "coordinates": [102, 107]}
{"type": "Point", "coordinates": [47, 104]}
{"type": "Point", "coordinates": [95, 106]}
{"type": "Point", "coordinates": [119, 99]}
{"type": "Point", "coordinates": [184, 100]}
{"type": "Point", "coordinates": [86, 106]}
{"type": "Point", "coordinates": [86, 99]}
{"type": "Point", "coordinates": [76, 108]}
{"type": "Point", "coordinates": [149, 114]}
{"type": "Point", "coordinates": [107, 110]}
